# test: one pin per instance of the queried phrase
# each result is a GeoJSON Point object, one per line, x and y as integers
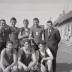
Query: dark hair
{"type": "Point", "coordinates": [27, 40]}
{"type": "Point", "coordinates": [26, 20]}
{"type": "Point", "coordinates": [50, 22]}
{"type": "Point", "coordinates": [9, 42]}
{"type": "Point", "coordinates": [13, 18]}
{"type": "Point", "coordinates": [36, 19]}
{"type": "Point", "coordinates": [3, 20]}
{"type": "Point", "coordinates": [42, 42]}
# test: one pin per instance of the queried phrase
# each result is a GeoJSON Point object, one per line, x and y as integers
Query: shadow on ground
{"type": "Point", "coordinates": [64, 67]}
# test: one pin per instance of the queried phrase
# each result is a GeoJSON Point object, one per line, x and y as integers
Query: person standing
{"type": "Point", "coordinates": [36, 31]}
{"type": "Point", "coordinates": [4, 33]}
{"type": "Point", "coordinates": [52, 38]}
{"type": "Point", "coordinates": [24, 32]}
{"type": "Point", "coordinates": [13, 36]}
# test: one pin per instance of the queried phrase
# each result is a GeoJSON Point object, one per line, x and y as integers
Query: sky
{"type": "Point", "coordinates": [29, 9]}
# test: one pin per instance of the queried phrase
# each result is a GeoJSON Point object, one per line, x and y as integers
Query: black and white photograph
{"type": "Point", "coordinates": [35, 35]}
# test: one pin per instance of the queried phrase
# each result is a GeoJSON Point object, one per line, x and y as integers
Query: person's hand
{"type": "Point", "coordinates": [31, 38]}
{"type": "Point", "coordinates": [26, 68]}
{"type": "Point", "coordinates": [29, 68]}
{"type": "Point", "coordinates": [7, 69]}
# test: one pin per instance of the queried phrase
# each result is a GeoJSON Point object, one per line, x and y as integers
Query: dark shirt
{"type": "Point", "coordinates": [26, 60]}
{"type": "Point", "coordinates": [4, 33]}
{"type": "Point", "coordinates": [8, 58]}
{"type": "Point", "coordinates": [23, 32]}
{"type": "Point", "coordinates": [14, 34]}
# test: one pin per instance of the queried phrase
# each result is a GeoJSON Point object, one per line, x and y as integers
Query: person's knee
{"type": "Point", "coordinates": [49, 62]}
{"type": "Point", "coordinates": [15, 68]}
{"type": "Point", "coordinates": [43, 68]}
{"type": "Point", "coordinates": [19, 67]}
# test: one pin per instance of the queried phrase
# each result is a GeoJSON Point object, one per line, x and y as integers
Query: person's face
{"type": "Point", "coordinates": [26, 44]}
{"type": "Point", "coordinates": [49, 25]}
{"type": "Point", "coordinates": [13, 22]}
{"type": "Point", "coordinates": [2, 23]}
{"type": "Point", "coordinates": [9, 46]}
{"type": "Point", "coordinates": [35, 22]}
{"type": "Point", "coordinates": [41, 46]}
{"type": "Point", "coordinates": [25, 24]}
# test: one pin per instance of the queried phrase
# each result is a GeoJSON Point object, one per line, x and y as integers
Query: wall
{"type": "Point", "coordinates": [65, 30]}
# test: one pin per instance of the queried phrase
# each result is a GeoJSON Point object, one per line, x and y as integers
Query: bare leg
{"type": "Point", "coordinates": [43, 68]}
{"type": "Point", "coordinates": [49, 64]}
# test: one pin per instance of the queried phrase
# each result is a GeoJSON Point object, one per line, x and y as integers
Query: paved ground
{"type": "Point", "coordinates": [64, 58]}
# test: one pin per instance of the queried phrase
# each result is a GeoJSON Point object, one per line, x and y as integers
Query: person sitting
{"type": "Point", "coordinates": [8, 57]}
{"type": "Point", "coordinates": [45, 57]}
{"type": "Point", "coordinates": [27, 58]}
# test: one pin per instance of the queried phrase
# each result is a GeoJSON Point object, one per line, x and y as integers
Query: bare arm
{"type": "Point", "coordinates": [33, 62]}
{"type": "Point", "coordinates": [43, 34]}
{"type": "Point", "coordinates": [22, 36]}
{"type": "Point", "coordinates": [2, 58]}
{"type": "Point", "coordinates": [50, 55]}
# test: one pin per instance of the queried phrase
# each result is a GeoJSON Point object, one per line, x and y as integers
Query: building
{"type": "Point", "coordinates": [64, 24]}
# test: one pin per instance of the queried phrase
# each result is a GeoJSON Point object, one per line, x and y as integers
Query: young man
{"type": "Point", "coordinates": [8, 57]}
{"type": "Point", "coordinates": [45, 57]}
{"type": "Point", "coordinates": [27, 57]}
{"type": "Point", "coordinates": [14, 32]}
{"type": "Point", "coordinates": [36, 31]}
{"type": "Point", "coordinates": [4, 33]}
{"type": "Point", "coordinates": [52, 38]}
{"type": "Point", "coordinates": [25, 31]}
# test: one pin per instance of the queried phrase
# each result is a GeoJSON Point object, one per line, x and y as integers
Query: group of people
{"type": "Point", "coordinates": [28, 49]}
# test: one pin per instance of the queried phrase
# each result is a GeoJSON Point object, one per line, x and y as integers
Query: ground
{"type": "Point", "coordinates": [64, 58]}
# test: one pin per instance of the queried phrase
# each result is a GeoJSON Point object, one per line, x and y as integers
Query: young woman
{"type": "Point", "coordinates": [8, 57]}
{"type": "Point", "coordinates": [27, 59]}
{"type": "Point", "coordinates": [45, 57]}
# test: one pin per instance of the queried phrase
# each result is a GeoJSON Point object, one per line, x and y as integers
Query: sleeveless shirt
{"type": "Point", "coordinates": [8, 59]}
{"type": "Point", "coordinates": [26, 60]}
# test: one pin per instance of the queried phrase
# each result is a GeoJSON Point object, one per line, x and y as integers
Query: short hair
{"type": "Point", "coordinates": [50, 22]}
{"type": "Point", "coordinates": [9, 42]}
{"type": "Point", "coordinates": [26, 20]}
{"type": "Point", "coordinates": [13, 18]}
{"type": "Point", "coordinates": [3, 20]}
{"type": "Point", "coordinates": [36, 19]}
{"type": "Point", "coordinates": [27, 40]}
{"type": "Point", "coordinates": [42, 42]}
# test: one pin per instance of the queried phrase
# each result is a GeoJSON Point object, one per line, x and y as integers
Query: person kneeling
{"type": "Point", "coordinates": [27, 58]}
{"type": "Point", "coordinates": [45, 57]}
{"type": "Point", "coordinates": [8, 57]}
